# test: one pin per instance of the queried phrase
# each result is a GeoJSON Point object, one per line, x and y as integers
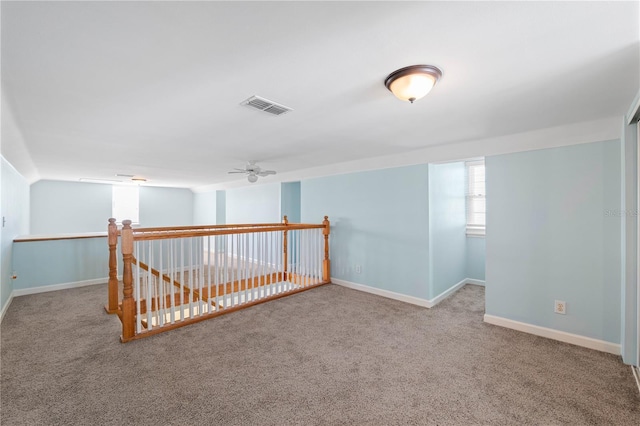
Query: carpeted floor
{"type": "Point", "coordinates": [326, 356]}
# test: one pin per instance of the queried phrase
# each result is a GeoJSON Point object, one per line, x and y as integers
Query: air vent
{"type": "Point", "coordinates": [265, 105]}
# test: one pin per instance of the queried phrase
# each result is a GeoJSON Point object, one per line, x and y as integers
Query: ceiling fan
{"type": "Point", "coordinates": [252, 170]}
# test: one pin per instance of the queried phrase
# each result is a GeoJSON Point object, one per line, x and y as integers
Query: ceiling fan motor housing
{"type": "Point", "coordinates": [252, 170]}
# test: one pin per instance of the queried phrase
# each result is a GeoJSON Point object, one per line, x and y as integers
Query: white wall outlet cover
{"type": "Point", "coordinates": [560, 307]}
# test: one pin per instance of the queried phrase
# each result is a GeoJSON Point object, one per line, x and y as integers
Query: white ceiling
{"type": "Point", "coordinates": [153, 88]}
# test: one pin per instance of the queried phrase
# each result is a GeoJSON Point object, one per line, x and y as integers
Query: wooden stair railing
{"type": "Point", "coordinates": [252, 275]}
{"type": "Point", "coordinates": [166, 278]}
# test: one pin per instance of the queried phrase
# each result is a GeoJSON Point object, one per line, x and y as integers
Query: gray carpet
{"type": "Point", "coordinates": [326, 356]}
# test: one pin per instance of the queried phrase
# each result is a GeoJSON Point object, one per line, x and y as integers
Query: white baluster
{"type": "Point", "coordinates": [209, 296]}
{"type": "Point", "coordinates": [216, 274]}
{"type": "Point", "coordinates": [226, 269]}
{"type": "Point", "coordinates": [182, 304]}
{"type": "Point", "coordinates": [136, 290]}
{"type": "Point", "coordinates": [161, 299]}
{"type": "Point", "coordinates": [192, 280]}
{"type": "Point", "coordinates": [150, 287]}
{"type": "Point", "coordinates": [245, 254]}
{"type": "Point", "coordinates": [201, 273]}
{"type": "Point", "coordinates": [172, 281]}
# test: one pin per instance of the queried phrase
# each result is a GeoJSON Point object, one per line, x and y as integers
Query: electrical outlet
{"type": "Point", "coordinates": [14, 275]}
{"type": "Point", "coordinates": [560, 307]}
{"type": "Point", "coordinates": [358, 269]}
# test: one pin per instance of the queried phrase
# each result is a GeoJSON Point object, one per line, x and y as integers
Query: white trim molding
{"type": "Point", "coordinates": [476, 231]}
{"type": "Point", "coordinates": [6, 307]}
{"type": "Point", "coordinates": [636, 375]}
{"type": "Point", "coordinates": [604, 129]}
{"type": "Point", "coordinates": [448, 292]}
{"type": "Point", "coordinates": [55, 287]}
{"type": "Point", "coordinates": [634, 109]}
{"type": "Point", "coordinates": [384, 293]}
{"type": "Point", "coordinates": [425, 303]}
{"type": "Point", "coordinates": [549, 333]}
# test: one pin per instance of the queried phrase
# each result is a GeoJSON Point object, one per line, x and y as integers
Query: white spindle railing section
{"type": "Point", "coordinates": [186, 274]}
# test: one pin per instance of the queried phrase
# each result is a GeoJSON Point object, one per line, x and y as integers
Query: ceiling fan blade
{"type": "Point", "coordinates": [240, 170]}
{"type": "Point", "coordinates": [243, 172]}
{"type": "Point", "coordinates": [267, 172]}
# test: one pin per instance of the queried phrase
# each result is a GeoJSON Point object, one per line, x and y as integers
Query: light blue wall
{"type": "Point", "coordinates": [253, 204]}
{"type": "Point", "coordinates": [629, 299]}
{"type": "Point", "coordinates": [447, 226]}
{"type": "Point", "coordinates": [549, 237]}
{"type": "Point", "coordinates": [14, 202]}
{"type": "Point", "coordinates": [60, 261]}
{"type": "Point", "coordinates": [290, 201]}
{"type": "Point", "coordinates": [68, 207]}
{"type": "Point", "coordinates": [476, 258]}
{"type": "Point", "coordinates": [85, 259]}
{"type": "Point", "coordinates": [221, 207]}
{"type": "Point", "coordinates": [205, 208]}
{"type": "Point", "coordinates": [379, 220]}
{"type": "Point", "coordinates": [75, 207]}
{"type": "Point", "coordinates": [165, 206]}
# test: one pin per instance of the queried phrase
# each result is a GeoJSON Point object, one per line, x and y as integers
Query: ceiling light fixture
{"type": "Point", "coordinates": [412, 83]}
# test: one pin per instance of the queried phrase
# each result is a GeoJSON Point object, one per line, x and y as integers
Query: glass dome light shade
{"type": "Point", "coordinates": [412, 83]}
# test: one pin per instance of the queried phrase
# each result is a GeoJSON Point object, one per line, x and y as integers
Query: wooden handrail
{"type": "Point", "coordinates": [166, 278]}
{"type": "Point", "coordinates": [199, 227]}
{"type": "Point", "coordinates": [139, 236]}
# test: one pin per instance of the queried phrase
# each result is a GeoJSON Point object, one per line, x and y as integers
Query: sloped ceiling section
{"type": "Point", "coordinates": [154, 88]}
{"type": "Point", "coordinates": [12, 144]}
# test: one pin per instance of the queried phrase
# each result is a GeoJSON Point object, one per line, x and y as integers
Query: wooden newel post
{"type": "Point", "coordinates": [128, 304]}
{"type": "Point", "coordinates": [112, 240]}
{"type": "Point", "coordinates": [326, 263]}
{"type": "Point", "coordinates": [285, 221]}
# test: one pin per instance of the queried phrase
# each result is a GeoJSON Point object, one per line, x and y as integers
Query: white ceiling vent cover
{"type": "Point", "coordinates": [265, 105]}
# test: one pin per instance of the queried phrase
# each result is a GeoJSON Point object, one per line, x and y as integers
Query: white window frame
{"type": "Point", "coordinates": [118, 196]}
{"type": "Point", "coordinates": [474, 229]}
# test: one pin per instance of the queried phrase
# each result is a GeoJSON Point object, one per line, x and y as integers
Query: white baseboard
{"type": "Point", "coordinates": [426, 303]}
{"type": "Point", "coordinates": [448, 292]}
{"type": "Point", "coordinates": [55, 287]}
{"type": "Point", "coordinates": [384, 293]}
{"type": "Point", "coordinates": [636, 375]}
{"type": "Point", "coordinates": [6, 306]}
{"type": "Point", "coordinates": [549, 333]}
{"type": "Point", "coordinates": [475, 282]}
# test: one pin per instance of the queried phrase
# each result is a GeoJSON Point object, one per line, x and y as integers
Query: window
{"type": "Point", "coordinates": [124, 203]}
{"type": "Point", "coordinates": [476, 201]}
